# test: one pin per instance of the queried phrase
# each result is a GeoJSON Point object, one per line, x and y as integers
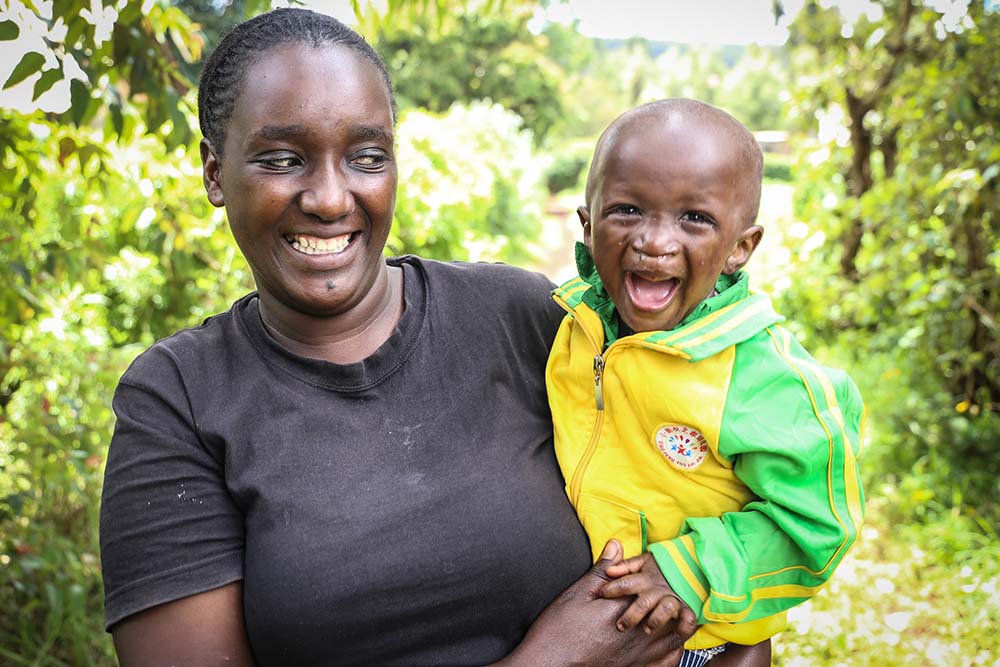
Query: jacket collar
{"type": "Point", "coordinates": [729, 317]}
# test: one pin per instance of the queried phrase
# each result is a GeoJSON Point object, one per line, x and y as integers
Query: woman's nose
{"type": "Point", "coordinates": [327, 194]}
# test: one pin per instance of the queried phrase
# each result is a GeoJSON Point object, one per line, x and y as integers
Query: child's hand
{"type": "Point", "coordinates": [655, 600]}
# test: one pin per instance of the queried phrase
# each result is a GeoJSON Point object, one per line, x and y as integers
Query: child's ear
{"type": "Point", "coordinates": [211, 174]}
{"type": "Point", "coordinates": [746, 243]}
{"type": "Point", "coordinates": [584, 214]}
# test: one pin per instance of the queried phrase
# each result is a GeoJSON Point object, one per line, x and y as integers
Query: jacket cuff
{"type": "Point", "coordinates": [679, 565]}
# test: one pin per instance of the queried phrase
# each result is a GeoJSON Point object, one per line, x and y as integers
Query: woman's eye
{"type": "Point", "coordinates": [370, 160]}
{"type": "Point", "coordinates": [279, 162]}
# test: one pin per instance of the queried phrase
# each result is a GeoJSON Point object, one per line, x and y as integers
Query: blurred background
{"type": "Point", "coordinates": [882, 246]}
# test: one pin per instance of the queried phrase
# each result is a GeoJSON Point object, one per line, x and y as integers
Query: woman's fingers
{"type": "Point", "coordinates": [630, 566]}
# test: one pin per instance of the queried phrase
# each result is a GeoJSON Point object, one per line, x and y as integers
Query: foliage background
{"type": "Point", "coordinates": [888, 261]}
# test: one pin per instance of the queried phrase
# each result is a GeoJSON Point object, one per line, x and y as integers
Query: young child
{"type": "Point", "coordinates": [688, 425]}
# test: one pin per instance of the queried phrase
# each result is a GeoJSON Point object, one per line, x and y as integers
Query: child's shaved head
{"type": "Point", "coordinates": [749, 157]}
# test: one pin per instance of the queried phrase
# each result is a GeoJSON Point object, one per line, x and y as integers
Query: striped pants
{"type": "Point", "coordinates": [700, 657]}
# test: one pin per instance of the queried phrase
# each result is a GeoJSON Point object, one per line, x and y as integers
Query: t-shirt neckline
{"type": "Point", "coordinates": [354, 377]}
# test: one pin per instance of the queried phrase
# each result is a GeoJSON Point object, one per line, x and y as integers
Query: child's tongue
{"type": "Point", "coordinates": [649, 294]}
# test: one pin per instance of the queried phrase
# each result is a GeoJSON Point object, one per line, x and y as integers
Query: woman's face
{"type": "Point", "coordinates": [308, 176]}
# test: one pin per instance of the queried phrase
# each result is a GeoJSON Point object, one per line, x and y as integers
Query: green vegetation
{"type": "Point", "coordinates": [110, 244]}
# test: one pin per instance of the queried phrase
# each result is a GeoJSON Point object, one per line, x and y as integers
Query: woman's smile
{"type": "Point", "coordinates": [315, 245]}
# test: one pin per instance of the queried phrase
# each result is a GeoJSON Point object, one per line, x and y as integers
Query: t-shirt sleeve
{"type": "Point", "coordinates": [169, 526]}
{"type": "Point", "coordinates": [532, 307]}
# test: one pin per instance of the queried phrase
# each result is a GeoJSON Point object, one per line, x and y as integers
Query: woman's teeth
{"type": "Point", "coordinates": [311, 245]}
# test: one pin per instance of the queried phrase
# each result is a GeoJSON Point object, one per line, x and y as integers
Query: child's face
{"type": "Point", "coordinates": [666, 217]}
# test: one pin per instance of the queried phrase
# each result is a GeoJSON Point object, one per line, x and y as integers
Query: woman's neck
{"type": "Point", "coordinates": [344, 338]}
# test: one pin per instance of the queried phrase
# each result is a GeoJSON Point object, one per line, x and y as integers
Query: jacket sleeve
{"type": "Point", "coordinates": [793, 432]}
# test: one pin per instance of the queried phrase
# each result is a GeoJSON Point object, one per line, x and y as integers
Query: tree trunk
{"type": "Point", "coordinates": [859, 181]}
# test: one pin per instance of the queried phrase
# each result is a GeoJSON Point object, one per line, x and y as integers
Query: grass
{"type": "Point", "coordinates": [909, 594]}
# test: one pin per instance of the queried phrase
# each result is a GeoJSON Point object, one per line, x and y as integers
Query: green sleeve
{"type": "Point", "coordinates": [793, 431]}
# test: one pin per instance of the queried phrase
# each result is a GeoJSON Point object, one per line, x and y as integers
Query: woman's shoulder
{"type": "Point", "coordinates": [196, 348]}
{"type": "Point", "coordinates": [491, 280]}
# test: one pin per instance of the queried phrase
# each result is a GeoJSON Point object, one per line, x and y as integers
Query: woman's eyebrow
{"type": "Point", "coordinates": [372, 132]}
{"type": "Point", "coordinates": [277, 132]}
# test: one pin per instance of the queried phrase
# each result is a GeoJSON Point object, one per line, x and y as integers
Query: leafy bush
{"type": "Point", "coordinates": [470, 185]}
{"type": "Point", "coordinates": [778, 167]}
{"type": "Point", "coordinates": [568, 168]}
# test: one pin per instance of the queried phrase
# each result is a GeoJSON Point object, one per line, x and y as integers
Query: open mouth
{"type": "Point", "coordinates": [314, 245]}
{"type": "Point", "coordinates": [650, 294]}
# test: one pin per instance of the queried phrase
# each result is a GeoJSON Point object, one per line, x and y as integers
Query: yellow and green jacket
{"type": "Point", "coordinates": [721, 447]}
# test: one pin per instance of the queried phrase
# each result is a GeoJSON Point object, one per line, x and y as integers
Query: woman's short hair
{"type": "Point", "coordinates": [223, 75]}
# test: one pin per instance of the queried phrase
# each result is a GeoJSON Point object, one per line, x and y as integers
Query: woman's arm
{"type": "Point", "coordinates": [578, 628]}
{"type": "Point", "coordinates": [197, 631]}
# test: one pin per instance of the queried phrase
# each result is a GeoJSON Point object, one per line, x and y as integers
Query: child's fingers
{"type": "Point", "coordinates": [630, 584]}
{"type": "Point", "coordinates": [637, 610]}
{"type": "Point", "coordinates": [658, 621]}
{"type": "Point", "coordinates": [687, 622]}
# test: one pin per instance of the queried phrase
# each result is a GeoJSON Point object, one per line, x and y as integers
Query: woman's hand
{"type": "Point", "coordinates": [578, 628]}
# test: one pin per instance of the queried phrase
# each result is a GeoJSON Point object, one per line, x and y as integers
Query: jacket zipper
{"type": "Point", "coordinates": [577, 483]}
{"type": "Point", "coordinates": [598, 379]}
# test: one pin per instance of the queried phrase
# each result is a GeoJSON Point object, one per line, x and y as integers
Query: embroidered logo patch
{"type": "Point", "coordinates": [683, 446]}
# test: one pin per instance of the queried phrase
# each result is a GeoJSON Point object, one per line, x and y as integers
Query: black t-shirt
{"type": "Point", "coordinates": [405, 510]}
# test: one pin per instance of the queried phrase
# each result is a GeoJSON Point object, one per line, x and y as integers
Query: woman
{"type": "Point", "coordinates": [353, 465]}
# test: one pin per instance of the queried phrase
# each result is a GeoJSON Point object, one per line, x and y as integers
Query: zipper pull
{"type": "Point", "coordinates": [598, 388]}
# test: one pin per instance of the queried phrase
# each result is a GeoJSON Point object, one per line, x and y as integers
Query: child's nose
{"type": "Point", "coordinates": [658, 238]}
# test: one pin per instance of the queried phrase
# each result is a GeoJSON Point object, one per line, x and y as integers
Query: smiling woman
{"type": "Point", "coordinates": [307, 174]}
{"type": "Point", "coordinates": [354, 464]}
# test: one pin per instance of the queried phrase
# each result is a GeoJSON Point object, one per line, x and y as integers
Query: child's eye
{"type": "Point", "coordinates": [625, 210]}
{"type": "Point", "coordinates": [697, 216]}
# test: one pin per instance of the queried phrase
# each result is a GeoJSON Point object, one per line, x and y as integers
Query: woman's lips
{"type": "Point", "coordinates": [314, 245]}
{"type": "Point", "coordinates": [649, 294]}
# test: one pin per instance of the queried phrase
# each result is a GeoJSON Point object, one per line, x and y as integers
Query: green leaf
{"type": "Point", "coordinates": [30, 63]}
{"type": "Point", "coordinates": [117, 120]}
{"type": "Point", "coordinates": [79, 97]}
{"type": "Point", "coordinates": [75, 29]}
{"type": "Point", "coordinates": [46, 81]}
{"type": "Point", "coordinates": [9, 31]}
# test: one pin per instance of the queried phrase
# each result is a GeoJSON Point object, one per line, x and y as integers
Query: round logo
{"type": "Point", "coordinates": [683, 446]}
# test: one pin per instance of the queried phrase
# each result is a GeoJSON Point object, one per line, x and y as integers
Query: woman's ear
{"type": "Point", "coordinates": [211, 174]}
{"type": "Point", "coordinates": [746, 243]}
{"type": "Point", "coordinates": [584, 214]}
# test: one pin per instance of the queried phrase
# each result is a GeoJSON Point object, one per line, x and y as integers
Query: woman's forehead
{"type": "Point", "coordinates": [299, 83]}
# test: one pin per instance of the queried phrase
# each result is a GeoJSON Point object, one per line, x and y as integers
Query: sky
{"type": "Point", "coordinates": [689, 21]}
